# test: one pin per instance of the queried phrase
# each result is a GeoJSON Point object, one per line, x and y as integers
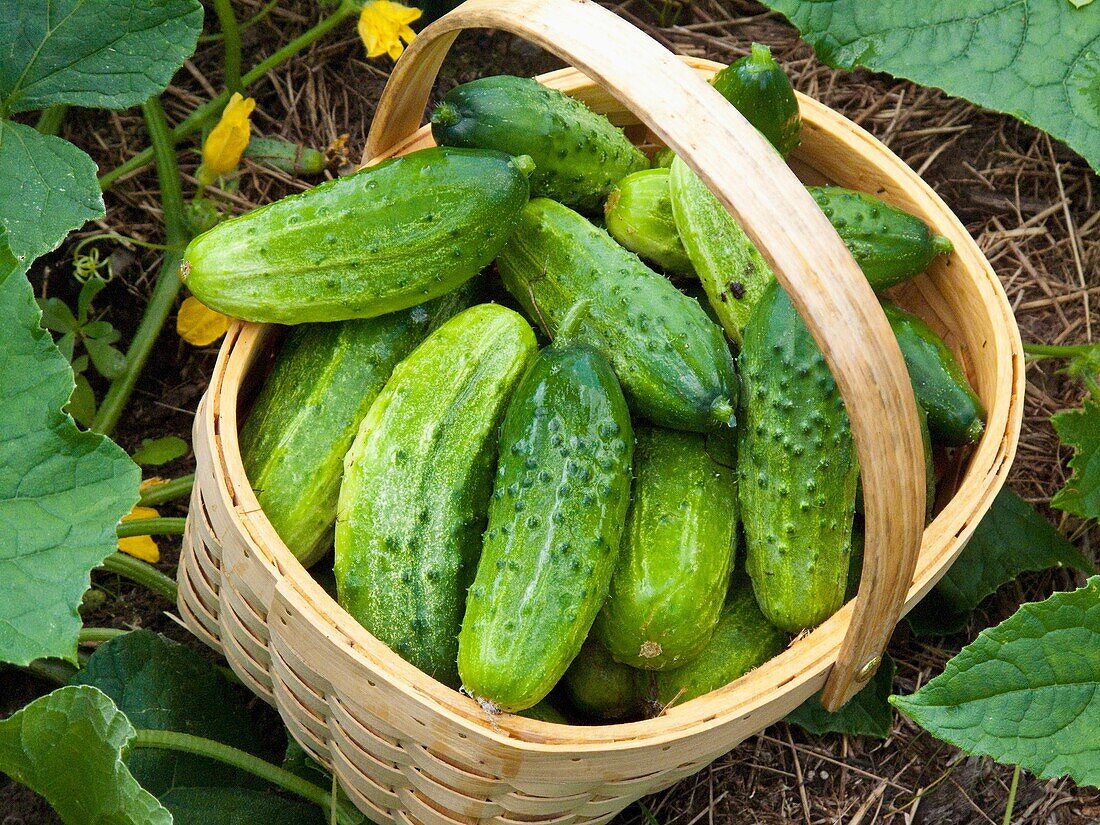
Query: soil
{"type": "Point", "coordinates": [1027, 200]}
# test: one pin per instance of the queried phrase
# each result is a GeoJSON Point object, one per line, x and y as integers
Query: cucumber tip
{"type": "Point", "coordinates": [942, 245]}
{"type": "Point", "coordinates": [525, 164]}
{"type": "Point", "coordinates": [975, 431]}
{"type": "Point", "coordinates": [444, 115]}
{"type": "Point", "coordinates": [722, 412]}
{"type": "Point", "coordinates": [184, 271]}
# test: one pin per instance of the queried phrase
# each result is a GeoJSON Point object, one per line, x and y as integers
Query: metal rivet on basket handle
{"type": "Point", "coordinates": [781, 218]}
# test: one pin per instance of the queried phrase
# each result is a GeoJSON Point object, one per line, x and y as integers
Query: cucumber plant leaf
{"type": "Point", "coordinates": [62, 491]}
{"type": "Point", "coordinates": [1081, 429]}
{"type": "Point", "coordinates": [232, 806]}
{"type": "Point", "coordinates": [69, 746]}
{"type": "Point", "coordinates": [1038, 60]}
{"type": "Point", "coordinates": [1026, 692]}
{"type": "Point", "coordinates": [161, 685]}
{"type": "Point", "coordinates": [868, 713]}
{"type": "Point", "coordinates": [1010, 539]}
{"type": "Point", "coordinates": [96, 53]}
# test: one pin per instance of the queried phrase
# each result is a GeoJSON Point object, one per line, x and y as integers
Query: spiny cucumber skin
{"type": "Point", "coordinates": [889, 244]}
{"type": "Point", "coordinates": [760, 90]}
{"type": "Point", "coordinates": [797, 468]}
{"type": "Point", "coordinates": [638, 213]}
{"type": "Point", "coordinates": [673, 361]}
{"type": "Point", "coordinates": [956, 415]}
{"type": "Point", "coordinates": [555, 521]}
{"type": "Point", "coordinates": [579, 155]}
{"type": "Point", "coordinates": [307, 413]}
{"type": "Point", "coordinates": [676, 555]}
{"type": "Point", "coordinates": [602, 688]}
{"type": "Point", "coordinates": [417, 482]}
{"type": "Point", "coordinates": [384, 239]}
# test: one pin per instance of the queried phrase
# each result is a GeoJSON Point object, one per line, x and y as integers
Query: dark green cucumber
{"type": "Point", "coordinates": [797, 468]}
{"type": "Point", "coordinates": [579, 155]}
{"type": "Point", "coordinates": [600, 687]}
{"type": "Point", "coordinates": [545, 712]}
{"type": "Point", "coordinates": [638, 213]}
{"type": "Point", "coordinates": [306, 415]}
{"type": "Point", "coordinates": [672, 360]}
{"type": "Point", "coordinates": [556, 516]}
{"type": "Point", "coordinates": [676, 556]}
{"type": "Point", "coordinates": [955, 413]}
{"type": "Point", "coordinates": [743, 640]}
{"type": "Point", "coordinates": [762, 92]}
{"type": "Point", "coordinates": [417, 482]}
{"type": "Point", "coordinates": [387, 238]}
{"type": "Point", "coordinates": [889, 244]}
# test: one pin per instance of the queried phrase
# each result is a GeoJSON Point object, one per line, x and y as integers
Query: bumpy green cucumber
{"type": "Point", "coordinates": [417, 482]}
{"type": "Point", "coordinates": [384, 239]}
{"type": "Point", "coordinates": [889, 244]}
{"type": "Point", "coordinates": [955, 413]}
{"type": "Point", "coordinates": [556, 516]}
{"type": "Point", "coordinates": [797, 467]}
{"type": "Point", "coordinates": [306, 415]}
{"type": "Point", "coordinates": [579, 156]}
{"type": "Point", "coordinates": [639, 216]}
{"type": "Point", "coordinates": [762, 92]}
{"type": "Point", "coordinates": [599, 686]}
{"type": "Point", "coordinates": [743, 640]}
{"type": "Point", "coordinates": [673, 361]}
{"type": "Point", "coordinates": [293, 158]}
{"type": "Point", "coordinates": [676, 556]}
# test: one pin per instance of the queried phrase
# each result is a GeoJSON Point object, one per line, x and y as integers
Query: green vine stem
{"type": "Point", "coordinates": [95, 635]}
{"type": "Point", "coordinates": [49, 122]}
{"type": "Point", "coordinates": [1040, 351]}
{"type": "Point", "coordinates": [232, 37]}
{"type": "Point", "coordinates": [1011, 797]}
{"type": "Point", "coordinates": [198, 118]}
{"type": "Point", "coordinates": [168, 283]}
{"type": "Point", "coordinates": [142, 573]}
{"type": "Point", "coordinates": [247, 24]}
{"type": "Point", "coordinates": [172, 490]}
{"type": "Point", "coordinates": [167, 526]}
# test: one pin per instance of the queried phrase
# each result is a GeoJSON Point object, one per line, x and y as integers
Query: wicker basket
{"type": "Point", "coordinates": [409, 750]}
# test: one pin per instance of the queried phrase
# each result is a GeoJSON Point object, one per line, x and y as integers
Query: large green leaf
{"type": "Point", "coordinates": [161, 685]}
{"type": "Point", "coordinates": [62, 491]}
{"type": "Point", "coordinates": [1012, 538]}
{"type": "Point", "coordinates": [99, 53]}
{"type": "Point", "coordinates": [68, 746]}
{"type": "Point", "coordinates": [238, 806]}
{"type": "Point", "coordinates": [866, 714]}
{"type": "Point", "coordinates": [1026, 692]}
{"type": "Point", "coordinates": [47, 188]}
{"type": "Point", "coordinates": [1038, 60]}
{"type": "Point", "coordinates": [1081, 429]}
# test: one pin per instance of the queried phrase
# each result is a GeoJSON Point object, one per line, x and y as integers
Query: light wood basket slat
{"type": "Point", "coordinates": [409, 750]}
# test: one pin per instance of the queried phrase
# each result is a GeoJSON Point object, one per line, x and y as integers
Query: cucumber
{"type": "Point", "coordinates": [955, 413]}
{"type": "Point", "coordinates": [673, 362]}
{"type": "Point", "coordinates": [387, 238]}
{"type": "Point", "coordinates": [545, 712]}
{"type": "Point", "coordinates": [307, 413]}
{"type": "Point", "coordinates": [292, 158]}
{"type": "Point", "coordinates": [639, 216]}
{"type": "Point", "coordinates": [742, 641]}
{"type": "Point", "coordinates": [889, 244]}
{"type": "Point", "coordinates": [662, 158]}
{"type": "Point", "coordinates": [556, 516]}
{"type": "Point", "coordinates": [676, 556]}
{"type": "Point", "coordinates": [600, 687]}
{"type": "Point", "coordinates": [417, 482]}
{"type": "Point", "coordinates": [579, 155]}
{"type": "Point", "coordinates": [762, 92]}
{"type": "Point", "coordinates": [797, 469]}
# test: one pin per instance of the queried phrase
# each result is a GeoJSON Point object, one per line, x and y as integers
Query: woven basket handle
{"type": "Point", "coordinates": [781, 218]}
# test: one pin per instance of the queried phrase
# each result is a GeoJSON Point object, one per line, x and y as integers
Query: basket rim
{"type": "Point", "coordinates": [802, 667]}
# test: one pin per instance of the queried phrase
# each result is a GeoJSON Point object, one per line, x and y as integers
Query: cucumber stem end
{"type": "Point", "coordinates": [942, 245]}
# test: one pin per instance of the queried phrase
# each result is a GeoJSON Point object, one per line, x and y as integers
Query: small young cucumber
{"type": "Point", "coordinates": [762, 92]}
{"type": "Point", "coordinates": [417, 482]}
{"type": "Point", "coordinates": [743, 640]}
{"type": "Point", "coordinates": [889, 244]}
{"type": "Point", "coordinates": [955, 413]}
{"type": "Point", "coordinates": [600, 687]}
{"type": "Point", "coordinates": [307, 413]}
{"type": "Point", "coordinates": [638, 213]}
{"type": "Point", "coordinates": [555, 519]}
{"type": "Point", "coordinates": [673, 361]}
{"type": "Point", "coordinates": [387, 238]}
{"type": "Point", "coordinates": [797, 468]}
{"type": "Point", "coordinates": [579, 156]}
{"type": "Point", "coordinates": [293, 158]}
{"type": "Point", "coordinates": [676, 556]}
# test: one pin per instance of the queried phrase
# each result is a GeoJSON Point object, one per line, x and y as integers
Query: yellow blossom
{"type": "Point", "coordinates": [223, 147]}
{"type": "Point", "coordinates": [199, 325]}
{"type": "Point", "coordinates": [141, 547]}
{"type": "Point", "coordinates": [383, 25]}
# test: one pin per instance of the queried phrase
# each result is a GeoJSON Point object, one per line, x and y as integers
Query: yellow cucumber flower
{"type": "Point", "coordinates": [383, 25]}
{"type": "Point", "coordinates": [140, 547]}
{"type": "Point", "coordinates": [199, 325]}
{"type": "Point", "coordinates": [223, 147]}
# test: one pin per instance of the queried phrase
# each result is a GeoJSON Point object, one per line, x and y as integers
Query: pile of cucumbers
{"type": "Point", "coordinates": [574, 448]}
